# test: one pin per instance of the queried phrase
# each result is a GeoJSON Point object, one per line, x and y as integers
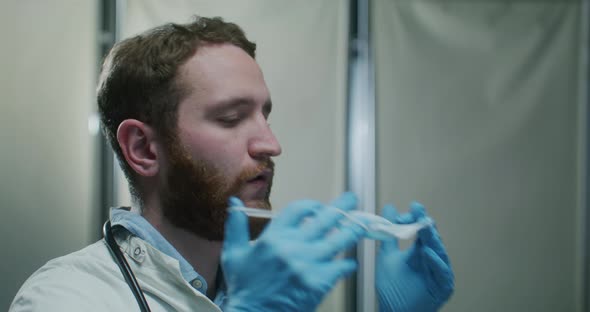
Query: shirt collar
{"type": "Point", "coordinates": [140, 227]}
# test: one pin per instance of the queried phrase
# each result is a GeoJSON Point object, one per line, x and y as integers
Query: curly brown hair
{"type": "Point", "coordinates": [139, 77]}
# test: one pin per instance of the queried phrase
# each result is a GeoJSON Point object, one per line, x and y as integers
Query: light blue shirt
{"type": "Point", "coordinates": [140, 227]}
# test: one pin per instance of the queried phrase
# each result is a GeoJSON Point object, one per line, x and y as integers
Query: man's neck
{"type": "Point", "coordinates": [203, 255]}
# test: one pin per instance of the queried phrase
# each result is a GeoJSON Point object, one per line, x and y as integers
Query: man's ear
{"type": "Point", "coordinates": [140, 149]}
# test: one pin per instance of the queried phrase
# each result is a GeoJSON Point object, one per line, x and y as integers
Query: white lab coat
{"type": "Point", "coordinates": [89, 280]}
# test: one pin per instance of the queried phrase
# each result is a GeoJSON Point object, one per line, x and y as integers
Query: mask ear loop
{"type": "Point", "coordinates": [255, 212]}
{"type": "Point", "coordinates": [351, 218]}
{"type": "Point", "coordinates": [268, 214]}
{"type": "Point", "coordinates": [381, 228]}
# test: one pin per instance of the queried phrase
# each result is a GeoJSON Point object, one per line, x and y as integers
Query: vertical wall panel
{"type": "Point", "coordinates": [48, 60]}
{"type": "Point", "coordinates": [477, 118]}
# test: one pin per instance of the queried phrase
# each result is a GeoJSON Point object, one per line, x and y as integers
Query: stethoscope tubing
{"type": "Point", "coordinates": [124, 266]}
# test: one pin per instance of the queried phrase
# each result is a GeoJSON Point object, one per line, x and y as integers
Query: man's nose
{"type": "Point", "coordinates": [264, 144]}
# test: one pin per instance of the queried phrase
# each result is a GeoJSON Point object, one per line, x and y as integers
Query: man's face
{"type": "Point", "coordinates": [223, 145]}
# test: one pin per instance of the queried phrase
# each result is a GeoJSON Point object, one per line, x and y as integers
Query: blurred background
{"type": "Point", "coordinates": [477, 109]}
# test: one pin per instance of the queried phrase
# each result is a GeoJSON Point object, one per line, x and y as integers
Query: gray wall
{"type": "Point", "coordinates": [47, 79]}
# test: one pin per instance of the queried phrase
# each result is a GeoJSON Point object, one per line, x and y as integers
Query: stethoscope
{"type": "Point", "coordinates": [113, 247]}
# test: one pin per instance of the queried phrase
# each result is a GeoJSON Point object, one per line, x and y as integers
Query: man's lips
{"type": "Point", "coordinates": [257, 187]}
{"type": "Point", "coordinates": [263, 177]}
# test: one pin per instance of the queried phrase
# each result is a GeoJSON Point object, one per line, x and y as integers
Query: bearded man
{"type": "Point", "coordinates": [185, 108]}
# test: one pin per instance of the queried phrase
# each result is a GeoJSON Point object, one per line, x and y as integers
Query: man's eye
{"type": "Point", "coordinates": [229, 121]}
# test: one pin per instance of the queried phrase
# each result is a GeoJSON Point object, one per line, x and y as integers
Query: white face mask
{"type": "Point", "coordinates": [377, 228]}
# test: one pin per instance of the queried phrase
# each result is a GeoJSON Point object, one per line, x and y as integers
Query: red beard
{"type": "Point", "coordinates": [195, 194]}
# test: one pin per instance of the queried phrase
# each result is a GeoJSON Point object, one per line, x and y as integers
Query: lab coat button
{"type": "Point", "coordinates": [137, 251]}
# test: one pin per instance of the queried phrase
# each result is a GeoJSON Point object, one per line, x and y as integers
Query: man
{"type": "Point", "coordinates": [185, 108]}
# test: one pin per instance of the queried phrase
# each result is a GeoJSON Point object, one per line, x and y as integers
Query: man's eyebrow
{"type": "Point", "coordinates": [232, 103]}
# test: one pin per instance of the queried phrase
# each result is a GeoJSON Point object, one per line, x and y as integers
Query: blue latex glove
{"type": "Point", "coordinates": [419, 279]}
{"type": "Point", "coordinates": [291, 266]}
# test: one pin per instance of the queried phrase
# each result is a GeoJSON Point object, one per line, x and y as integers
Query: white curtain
{"type": "Point", "coordinates": [302, 51]}
{"type": "Point", "coordinates": [479, 118]}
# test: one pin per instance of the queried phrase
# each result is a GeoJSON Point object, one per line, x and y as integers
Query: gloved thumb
{"type": "Point", "coordinates": [417, 212]}
{"type": "Point", "coordinates": [347, 201]}
{"type": "Point", "coordinates": [237, 232]}
{"type": "Point", "coordinates": [390, 213]}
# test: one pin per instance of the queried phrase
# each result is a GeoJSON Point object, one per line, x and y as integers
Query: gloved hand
{"type": "Point", "coordinates": [291, 266]}
{"type": "Point", "coordinates": [419, 279]}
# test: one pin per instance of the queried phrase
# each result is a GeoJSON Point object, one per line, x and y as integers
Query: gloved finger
{"type": "Point", "coordinates": [334, 270]}
{"type": "Point", "coordinates": [429, 237]}
{"type": "Point", "coordinates": [326, 220]}
{"type": "Point", "coordinates": [390, 213]}
{"type": "Point", "coordinates": [235, 202]}
{"type": "Point", "coordinates": [347, 201]}
{"type": "Point", "coordinates": [237, 233]}
{"type": "Point", "coordinates": [417, 211]}
{"type": "Point", "coordinates": [441, 274]}
{"type": "Point", "coordinates": [329, 216]}
{"type": "Point", "coordinates": [294, 213]}
{"type": "Point", "coordinates": [338, 241]}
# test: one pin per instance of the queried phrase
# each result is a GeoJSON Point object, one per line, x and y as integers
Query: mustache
{"type": "Point", "coordinates": [263, 166]}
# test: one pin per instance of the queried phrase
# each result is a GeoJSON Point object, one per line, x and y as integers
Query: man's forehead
{"type": "Point", "coordinates": [223, 75]}
{"type": "Point", "coordinates": [213, 58]}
